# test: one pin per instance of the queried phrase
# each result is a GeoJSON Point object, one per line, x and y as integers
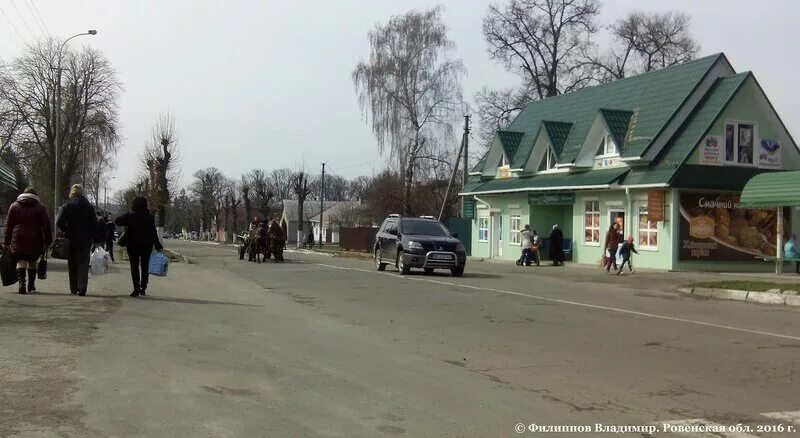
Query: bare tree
{"type": "Point", "coordinates": [246, 189]}
{"type": "Point", "coordinates": [160, 160]}
{"type": "Point", "coordinates": [543, 41]}
{"type": "Point", "coordinates": [301, 191]}
{"type": "Point", "coordinates": [356, 188]}
{"type": "Point", "coordinates": [208, 188]}
{"type": "Point", "coordinates": [644, 42]}
{"type": "Point", "coordinates": [90, 96]}
{"type": "Point", "coordinates": [280, 180]}
{"type": "Point", "coordinates": [410, 87]}
{"type": "Point", "coordinates": [262, 191]}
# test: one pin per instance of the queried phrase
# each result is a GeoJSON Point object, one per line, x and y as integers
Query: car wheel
{"type": "Point", "coordinates": [457, 272]}
{"type": "Point", "coordinates": [380, 266]}
{"type": "Point", "coordinates": [401, 264]}
{"type": "Point", "coordinates": [429, 270]}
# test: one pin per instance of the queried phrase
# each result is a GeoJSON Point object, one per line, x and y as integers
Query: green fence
{"type": "Point", "coordinates": [463, 227]}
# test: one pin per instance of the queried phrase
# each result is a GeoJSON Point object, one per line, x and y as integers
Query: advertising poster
{"type": "Point", "coordinates": [769, 154]}
{"type": "Point", "coordinates": [714, 227]}
{"type": "Point", "coordinates": [711, 151]}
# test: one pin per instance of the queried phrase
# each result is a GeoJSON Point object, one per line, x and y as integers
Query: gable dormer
{"type": "Point", "coordinates": [501, 153]}
{"type": "Point", "coordinates": [606, 139]}
{"type": "Point", "coordinates": [548, 144]}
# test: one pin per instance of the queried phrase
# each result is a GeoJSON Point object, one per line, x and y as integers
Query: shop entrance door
{"type": "Point", "coordinates": [617, 215]}
{"type": "Point", "coordinates": [497, 235]}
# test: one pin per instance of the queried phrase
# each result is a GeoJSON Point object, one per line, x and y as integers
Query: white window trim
{"type": "Point", "coordinates": [606, 139]}
{"type": "Point", "coordinates": [512, 233]}
{"type": "Point", "coordinates": [736, 124]}
{"type": "Point", "coordinates": [599, 226]}
{"type": "Point", "coordinates": [648, 248]}
{"type": "Point", "coordinates": [488, 224]}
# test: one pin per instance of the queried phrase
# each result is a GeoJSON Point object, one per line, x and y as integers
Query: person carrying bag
{"type": "Point", "coordinates": [139, 238]}
{"type": "Point", "coordinates": [28, 233]}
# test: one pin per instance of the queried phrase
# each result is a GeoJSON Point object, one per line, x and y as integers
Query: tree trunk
{"type": "Point", "coordinates": [247, 210]}
{"type": "Point", "coordinates": [162, 216]}
{"type": "Point", "coordinates": [408, 181]}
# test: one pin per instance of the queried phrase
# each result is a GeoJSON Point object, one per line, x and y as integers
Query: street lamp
{"type": "Point", "coordinates": [105, 207]}
{"type": "Point", "coordinates": [57, 135]}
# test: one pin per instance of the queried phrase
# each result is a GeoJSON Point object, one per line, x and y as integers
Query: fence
{"type": "Point", "coordinates": [463, 227]}
{"type": "Point", "coordinates": [357, 239]}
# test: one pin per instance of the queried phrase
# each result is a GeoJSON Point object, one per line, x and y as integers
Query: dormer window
{"type": "Point", "coordinates": [607, 147]}
{"type": "Point", "coordinates": [548, 161]}
{"type": "Point", "coordinates": [503, 161]}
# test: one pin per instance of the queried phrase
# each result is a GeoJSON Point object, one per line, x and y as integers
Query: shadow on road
{"type": "Point", "coordinates": [194, 301]}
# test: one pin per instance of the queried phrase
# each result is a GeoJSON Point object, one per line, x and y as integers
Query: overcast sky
{"type": "Point", "coordinates": [267, 83]}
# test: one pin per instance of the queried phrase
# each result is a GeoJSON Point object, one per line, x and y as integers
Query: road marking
{"type": "Point", "coordinates": [702, 424]}
{"type": "Point", "coordinates": [792, 417]}
{"type": "Point", "coordinates": [576, 303]}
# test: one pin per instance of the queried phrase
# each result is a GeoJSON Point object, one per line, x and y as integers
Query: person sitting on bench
{"type": "Point", "coordinates": [790, 251]}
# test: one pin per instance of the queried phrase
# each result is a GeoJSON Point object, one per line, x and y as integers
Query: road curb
{"type": "Point", "coordinates": [743, 295]}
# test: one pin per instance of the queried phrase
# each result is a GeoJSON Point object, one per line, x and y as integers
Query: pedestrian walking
{"type": "Point", "coordinates": [78, 222]}
{"type": "Point", "coordinates": [111, 230]}
{"type": "Point", "coordinates": [557, 246]}
{"type": "Point", "coordinates": [536, 243]}
{"type": "Point", "coordinates": [141, 236]}
{"type": "Point", "coordinates": [28, 233]}
{"type": "Point", "coordinates": [625, 255]}
{"type": "Point", "coordinates": [611, 246]}
{"type": "Point", "coordinates": [790, 251]}
{"type": "Point", "coordinates": [526, 243]}
{"type": "Point", "coordinates": [100, 232]}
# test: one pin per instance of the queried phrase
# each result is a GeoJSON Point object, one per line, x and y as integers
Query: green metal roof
{"type": "Point", "coordinates": [617, 122]}
{"type": "Point", "coordinates": [774, 189]}
{"type": "Point", "coordinates": [478, 167]}
{"type": "Point", "coordinates": [695, 176]}
{"type": "Point", "coordinates": [510, 141]}
{"type": "Point", "coordinates": [568, 181]}
{"type": "Point", "coordinates": [525, 148]}
{"type": "Point", "coordinates": [680, 147]}
{"type": "Point", "coordinates": [558, 133]}
{"type": "Point", "coordinates": [653, 97]}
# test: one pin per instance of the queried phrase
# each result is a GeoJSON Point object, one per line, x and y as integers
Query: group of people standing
{"type": "Point", "coordinates": [531, 242]}
{"type": "Point", "coordinates": [29, 235]}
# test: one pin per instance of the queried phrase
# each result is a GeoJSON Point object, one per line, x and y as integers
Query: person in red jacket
{"type": "Point", "coordinates": [28, 233]}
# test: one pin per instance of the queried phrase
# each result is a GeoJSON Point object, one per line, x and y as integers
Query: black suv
{"type": "Point", "coordinates": [409, 242]}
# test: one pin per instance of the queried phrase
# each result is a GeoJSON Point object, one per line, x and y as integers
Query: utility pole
{"type": "Point", "coordinates": [465, 149]}
{"type": "Point", "coordinates": [321, 204]}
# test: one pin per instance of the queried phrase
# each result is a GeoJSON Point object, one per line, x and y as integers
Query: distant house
{"type": "Point", "coordinates": [341, 214]}
{"type": "Point", "coordinates": [290, 219]}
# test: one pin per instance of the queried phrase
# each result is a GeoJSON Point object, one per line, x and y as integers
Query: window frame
{"type": "Point", "coordinates": [486, 229]}
{"type": "Point", "coordinates": [652, 229]}
{"type": "Point", "coordinates": [514, 237]}
{"type": "Point", "coordinates": [606, 140]}
{"type": "Point", "coordinates": [736, 127]}
{"type": "Point", "coordinates": [593, 212]}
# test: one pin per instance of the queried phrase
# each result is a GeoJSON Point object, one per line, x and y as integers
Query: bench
{"type": "Point", "coordinates": [773, 259]}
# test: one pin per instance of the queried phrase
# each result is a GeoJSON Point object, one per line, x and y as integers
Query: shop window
{"type": "Point", "coordinates": [516, 225]}
{"type": "Point", "coordinates": [739, 141]}
{"type": "Point", "coordinates": [648, 230]}
{"type": "Point", "coordinates": [607, 147]}
{"type": "Point", "coordinates": [591, 222]}
{"type": "Point", "coordinates": [483, 228]}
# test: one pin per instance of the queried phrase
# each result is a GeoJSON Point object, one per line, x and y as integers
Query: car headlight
{"type": "Point", "coordinates": [414, 245]}
{"type": "Point", "coordinates": [460, 248]}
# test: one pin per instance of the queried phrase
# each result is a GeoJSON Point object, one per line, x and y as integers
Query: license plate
{"type": "Point", "coordinates": [441, 257]}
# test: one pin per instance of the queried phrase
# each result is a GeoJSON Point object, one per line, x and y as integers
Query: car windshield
{"type": "Point", "coordinates": [424, 227]}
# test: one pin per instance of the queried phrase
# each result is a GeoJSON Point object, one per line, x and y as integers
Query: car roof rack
{"type": "Point", "coordinates": [394, 215]}
{"type": "Point", "coordinates": [427, 217]}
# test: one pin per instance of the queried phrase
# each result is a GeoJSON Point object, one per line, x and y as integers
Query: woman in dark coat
{"type": "Point", "coordinates": [557, 246]}
{"type": "Point", "coordinates": [140, 238]}
{"type": "Point", "coordinates": [28, 233]}
{"type": "Point", "coordinates": [78, 222]}
{"type": "Point", "coordinates": [612, 243]}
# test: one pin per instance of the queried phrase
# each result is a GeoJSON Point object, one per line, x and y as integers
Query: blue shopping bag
{"type": "Point", "coordinates": [158, 264]}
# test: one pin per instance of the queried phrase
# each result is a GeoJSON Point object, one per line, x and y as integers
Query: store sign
{"type": "Point", "coordinates": [608, 162]}
{"type": "Point", "coordinates": [711, 150]}
{"type": "Point", "coordinates": [715, 227]}
{"type": "Point", "coordinates": [769, 154]}
{"type": "Point", "coordinates": [551, 198]}
{"type": "Point", "coordinates": [469, 208]}
{"type": "Point", "coordinates": [655, 205]}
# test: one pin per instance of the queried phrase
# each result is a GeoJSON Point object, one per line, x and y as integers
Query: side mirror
{"type": "Point", "coordinates": [455, 235]}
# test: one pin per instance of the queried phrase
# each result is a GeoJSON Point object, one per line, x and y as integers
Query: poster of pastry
{"type": "Point", "coordinates": [715, 227]}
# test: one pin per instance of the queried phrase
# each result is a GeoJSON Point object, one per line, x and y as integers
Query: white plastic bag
{"type": "Point", "coordinates": [98, 262]}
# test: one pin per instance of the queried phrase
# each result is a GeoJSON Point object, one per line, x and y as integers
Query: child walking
{"type": "Point", "coordinates": [625, 251]}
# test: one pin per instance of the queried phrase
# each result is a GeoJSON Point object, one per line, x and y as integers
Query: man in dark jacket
{"type": "Point", "coordinates": [79, 224]}
{"type": "Point", "coordinates": [111, 228]}
{"type": "Point", "coordinates": [100, 231]}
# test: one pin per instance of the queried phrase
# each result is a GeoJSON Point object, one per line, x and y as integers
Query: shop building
{"type": "Point", "coordinates": [666, 154]}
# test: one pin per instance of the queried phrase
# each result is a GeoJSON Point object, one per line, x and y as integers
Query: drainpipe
{"type": "Point", "coordinates": [630, 217]}
{"type": "Point", "coordinates": [491, 225]}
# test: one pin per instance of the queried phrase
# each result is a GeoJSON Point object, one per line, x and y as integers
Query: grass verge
{"type": "Point", "coordinates": [755, 286]}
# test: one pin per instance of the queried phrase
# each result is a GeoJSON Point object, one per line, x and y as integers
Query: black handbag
{"type": "Point", "coordinates": [41, 270]}
{"type": "Point", "coordinates": [8, 268]}
{"type": "Point", "coordinates": [60, 248]}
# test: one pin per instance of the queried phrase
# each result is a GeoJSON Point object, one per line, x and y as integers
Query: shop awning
{"type": "Point", "coordinates": [773, 189]}
{"type": "Point", "coordinates": [593, 179]}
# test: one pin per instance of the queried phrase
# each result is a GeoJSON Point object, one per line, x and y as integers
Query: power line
{"type": "Point", "coordinates": [11, 24]}
{"type": "Point", "coordinates": [37, 17]}
{"type": "Point", "coordinates": [21, 18]}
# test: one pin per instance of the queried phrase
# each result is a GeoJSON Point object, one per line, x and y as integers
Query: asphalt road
{"type": "Point", "coordinates": [322, 346]}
